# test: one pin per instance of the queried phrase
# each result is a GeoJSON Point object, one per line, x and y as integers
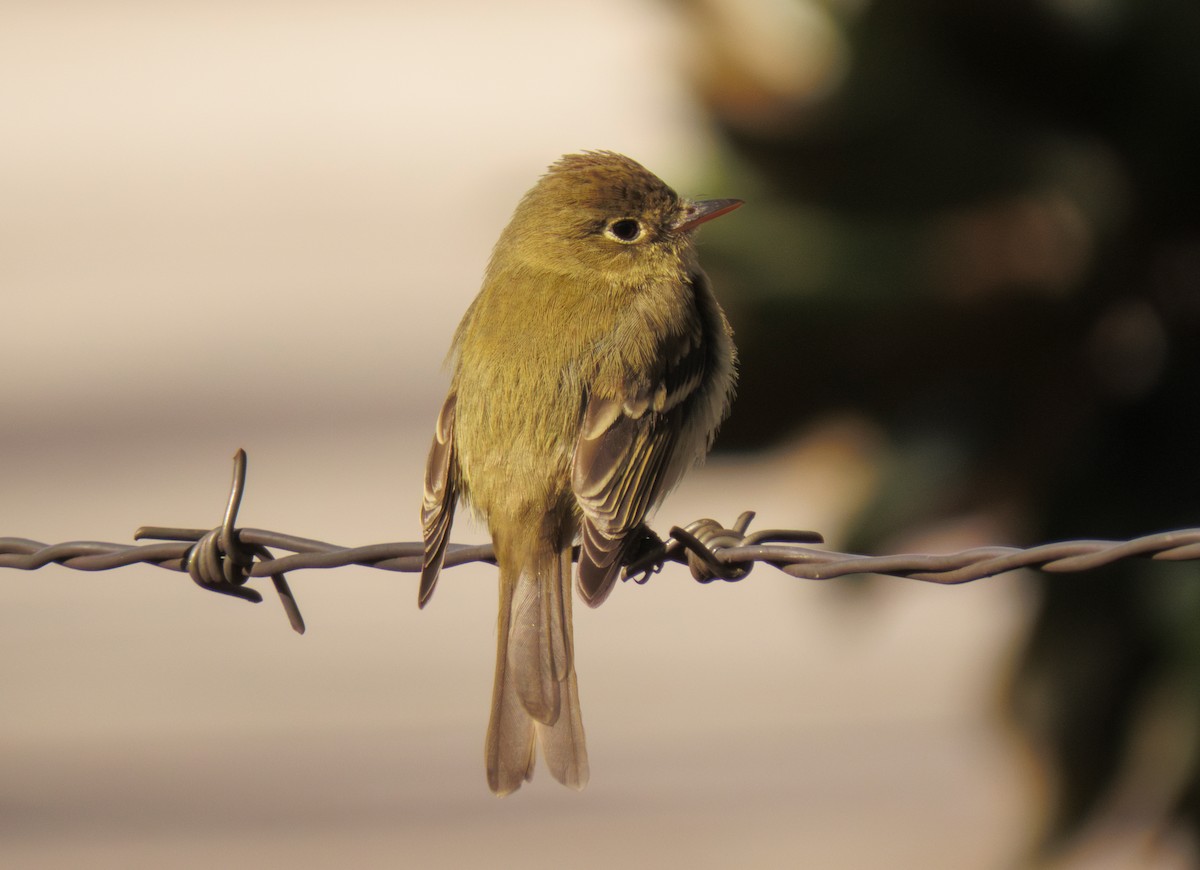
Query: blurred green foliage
{"type": "Point", "coordinates": [979, 225]}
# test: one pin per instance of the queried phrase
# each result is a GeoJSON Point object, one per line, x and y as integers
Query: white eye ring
{"type": "Point", "coordinates": [625, 230]}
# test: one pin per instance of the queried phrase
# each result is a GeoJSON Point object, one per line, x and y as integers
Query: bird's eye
{"type": "Point", "coordinates": [625, 230]}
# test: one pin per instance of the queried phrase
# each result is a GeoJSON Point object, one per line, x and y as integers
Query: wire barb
{"type": "Point", "coordinates": [220, 561]}
{"type": "Point", "coordinates": [700, 545]}
{"type": "Point", "coordinates": [224, 559]}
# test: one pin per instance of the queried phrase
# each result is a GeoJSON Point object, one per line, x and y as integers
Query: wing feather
{"type": "Point", "coordinates": [624, 448]}
{"type": "Point", "coordinates": [441, 496]}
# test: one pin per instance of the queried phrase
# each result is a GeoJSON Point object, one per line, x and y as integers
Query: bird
{"type": "Point", "coordinates": [590, 373]}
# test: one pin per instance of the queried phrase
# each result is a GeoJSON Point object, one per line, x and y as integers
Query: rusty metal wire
{"type": "Point", "coordinates": [223, 559]}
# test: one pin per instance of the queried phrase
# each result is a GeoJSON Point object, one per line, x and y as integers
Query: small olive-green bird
{"type": "Point", "coordinates": [592, 371]}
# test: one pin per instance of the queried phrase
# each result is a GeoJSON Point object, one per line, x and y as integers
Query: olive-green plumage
{"type": "Point", "coordinates": [592, 371]}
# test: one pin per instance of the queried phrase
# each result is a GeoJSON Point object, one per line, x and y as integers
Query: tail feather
{"type": "Point", "coordinates": [510, 744]}
{"type": "Point", "coordinates": [535, 697]}
{"type": "Point", "coordinates": [563, 741]}
{"type": "Point", "coordinates": [531, 653]}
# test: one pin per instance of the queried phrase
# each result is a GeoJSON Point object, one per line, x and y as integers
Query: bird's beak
{"type": "Point", "coordinates": [695, 213]}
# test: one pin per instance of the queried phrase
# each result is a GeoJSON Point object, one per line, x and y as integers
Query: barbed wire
{"type": "Point", "coordinates": [223, 559]}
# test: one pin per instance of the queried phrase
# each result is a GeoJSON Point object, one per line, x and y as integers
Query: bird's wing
{"type": "Point", "coordinates": [624, 449]}
{"type": "Point", "coordinates": [441, 495]}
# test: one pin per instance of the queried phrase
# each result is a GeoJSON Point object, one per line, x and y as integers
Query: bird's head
{"type": "Point", "coordinates": [602, 214]}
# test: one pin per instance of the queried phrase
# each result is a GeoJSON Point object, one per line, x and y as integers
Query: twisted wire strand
{"type": "Point", "coordinates": [225, 558]}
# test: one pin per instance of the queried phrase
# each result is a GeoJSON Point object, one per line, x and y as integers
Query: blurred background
{"type": "Point", "coordinates": [965, 292]}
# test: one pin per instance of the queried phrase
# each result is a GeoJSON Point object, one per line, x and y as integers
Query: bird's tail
{"type": "Point", "coordinates": [535, 698]}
